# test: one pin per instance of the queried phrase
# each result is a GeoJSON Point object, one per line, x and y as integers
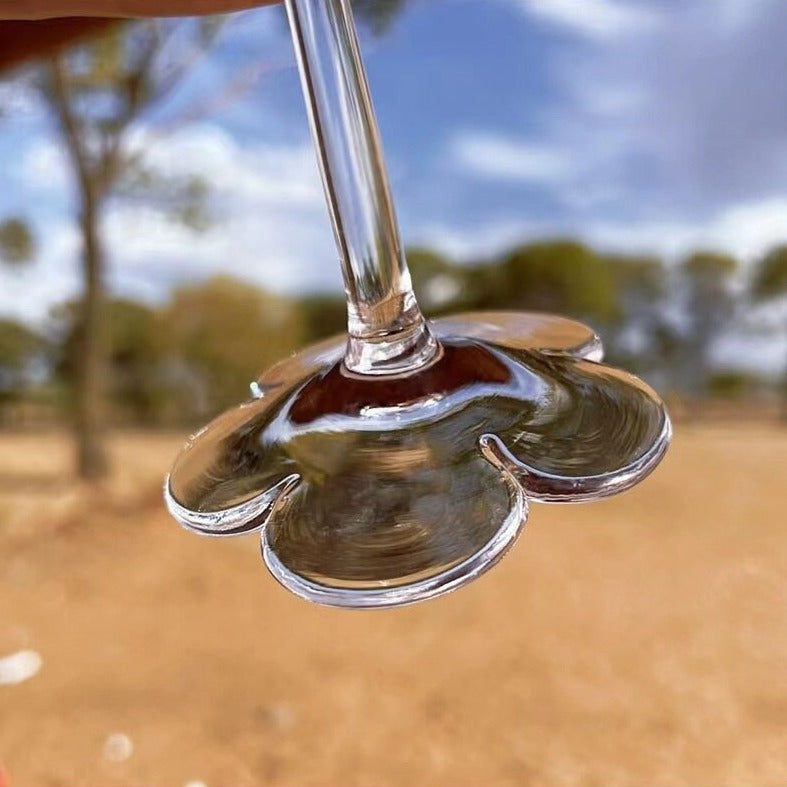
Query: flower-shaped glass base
{"type": "Point", "coordinates": [384, 490]}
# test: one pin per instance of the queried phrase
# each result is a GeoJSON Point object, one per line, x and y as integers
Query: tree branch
{"type": "Point", "coordinates": [60, 100]}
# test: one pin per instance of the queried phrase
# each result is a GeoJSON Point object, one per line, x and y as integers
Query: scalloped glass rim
{"type": "Point", "coordinates": [372, 462]}
{"type": "Point", "coordinates": [525, 330]}
{"type": "Point", "coordinates": [411, 593]}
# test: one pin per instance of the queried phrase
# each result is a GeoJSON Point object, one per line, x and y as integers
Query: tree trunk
{"type": "Point", "coordinates": [783, 391]}
{"type": "Point", "coordinates": [91, 365]}
{"type": "Point", "coordinates": [89, 385]}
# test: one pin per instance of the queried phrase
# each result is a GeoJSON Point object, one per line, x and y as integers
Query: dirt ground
{"type": "Point", "coordinates": [638, 641]}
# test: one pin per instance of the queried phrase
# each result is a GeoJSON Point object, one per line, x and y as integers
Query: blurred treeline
{"type": "Point", "coordinates": [177, 363]}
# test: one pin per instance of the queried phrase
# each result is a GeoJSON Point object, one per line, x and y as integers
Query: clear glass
{"type": "Point", "coordinates": [396, 463]}
{"type": "Point", "coordinates": [386, 330]}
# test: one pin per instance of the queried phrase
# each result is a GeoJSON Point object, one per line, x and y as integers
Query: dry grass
{"type": "Point", "coordinates": [639, 641]}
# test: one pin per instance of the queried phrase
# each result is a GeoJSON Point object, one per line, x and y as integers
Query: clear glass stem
{"type": "Point", "coordinates": [387, 333]}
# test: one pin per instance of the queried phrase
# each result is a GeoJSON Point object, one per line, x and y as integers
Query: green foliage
{"type": "Point", "coordinates": [223, 333]}
{"type": "Point", "coordinates": [134, 344]}
{"type": "Point", "coordinates": [709, 267]}
{"type": "Point", "coordinates": [770, 276]}
{"type": "Point", "coordinates": [194, 356]}
{"type": "Point", "coordinates": [486, 286]}
{"type": "Point", "coordinates": [183, 199]}
{"type": "Point", "coordinates": [134, 332]}
{"type": "Point", "coordinates": [191, 206]}
{"type": "Point", "coordinates": [136, 348]}
{"type": "Point", "coordinates": [564, 277]}
{"type": "Point", "coordinates": [643, 277]}
{"type": "Point", "coordinates": [378, 14]}
{"type": "Point", "coordinates": [322, 316]}
{"type": "Point", "coordinates": [19, 345]}
{"type": "Point", "coordinates": [707, 278]}
{"type": "Point", "coordinates": [730, 385]}
{"type": "Point", "coordinates": [17, 243]}
{"type": "Point", "coordinates": [98, 89]}
{"type": "Point", "coordinates": [21, 350]}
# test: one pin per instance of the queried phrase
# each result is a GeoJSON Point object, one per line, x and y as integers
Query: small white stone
{"type": "Point", "coordinates": [19, 667]}
{"type": "Point", "coordinates": [118, 747]}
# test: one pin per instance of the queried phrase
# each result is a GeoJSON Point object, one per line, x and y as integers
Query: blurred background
{"type": "Point", "coordinates": [163, 239]}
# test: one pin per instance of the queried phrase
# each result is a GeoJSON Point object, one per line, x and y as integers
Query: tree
{"type": "Point", "coordinates": [24, 355]}
{"type": "Point", "coordinates": [322, 316]}
{"type": "Point", "coordinates": [635, 339]}
{"type": "Point", "coordinates": [96, 94]}
{"type": "Point", "coordinates": [17, 243]}
{"type": "Point", "coordinates": [20, 347]}
{"type": "Point", "coordinates": [707, 279]}
{"type": "Point", "coordinates": [222, 333]}
{"type": "Point", "coordinates": [770, 275]}
{"type": "Point", "coordinates": [564, 277]}
{"type": "Point", "coordinates": [135, 345]}
{"type": "Point", "coordinates": [379, 14]}
{"type": "Point", "coordinates": [769, 283]}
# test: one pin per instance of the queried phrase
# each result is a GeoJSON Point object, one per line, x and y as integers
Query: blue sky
{"type": "Point", "coordinates": [640, 126]}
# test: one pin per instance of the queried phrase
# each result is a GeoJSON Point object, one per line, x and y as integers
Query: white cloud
{"type": "Point", "coordinates": [43, 166]}
{"type": "Point", "coordinates": [755, 354]}
{"type": "Point", "coordinates": [750, 228]}
{"type": "Point", "coordinates": [271, 228]}
{"type": "Point", "coordinates": [470, 241]}
{"type": "Point", "coordinates": [275, 174]}
{"type": "Point", "coordinates": [17, 98]}
{"type": "Point", "coordinates": [607, 101]}
{"type": "Point", "coordinates": [657, 139]}
{"type": "Point", "coordinates": [746, 230]}
{"type": "Point", "coordinates": [682, 122]}
{"type": "Point", "coordinates": [579, 170]}
{"type": "Point", "coordinates": [27, 293]}
{"type": "Point", "coordinates": [593, 18]}
{"type": "Point", "coordinates": [499, 158]}
{"type": "Point", "coordinates": [735, 14]}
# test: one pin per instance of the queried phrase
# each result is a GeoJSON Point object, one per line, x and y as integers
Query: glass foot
{"type": "Point", "coordinates": [384, 490]}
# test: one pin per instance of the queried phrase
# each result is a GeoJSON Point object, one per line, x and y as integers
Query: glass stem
{"type": "Point", "coordinates": [387, 333]}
